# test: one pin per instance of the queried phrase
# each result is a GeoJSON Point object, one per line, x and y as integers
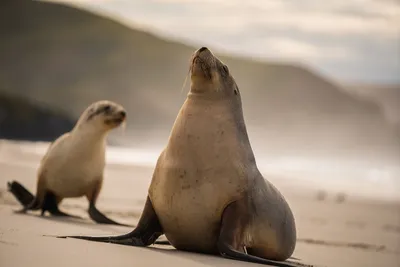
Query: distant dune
{"type": "Point", "coordinates": [63, 57]}
{"type": "Point", "coordinates": [387, 97]}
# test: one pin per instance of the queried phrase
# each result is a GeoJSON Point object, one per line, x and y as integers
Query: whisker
{"type": "Point", "coordinates": [184, 83]}
{"type": "Point", "coordinates": [123, 126]}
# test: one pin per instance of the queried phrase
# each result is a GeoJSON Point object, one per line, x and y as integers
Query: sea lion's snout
{"type": "Point", "coordinates": [117, 118]}
{"type": "Point", "coordinates": [203, 53]}
{"type": "Point", "coordinates": [209, 74]}
{"type": "Point", "coordinates": [202, 49]}
{"type": "Point", "coordinates": [122, 114]}
{"type": "Point", "coordinates": [203, 63]}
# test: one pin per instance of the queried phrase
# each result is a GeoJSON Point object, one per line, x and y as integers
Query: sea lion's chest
{"type": "Point", "coordinates": [203, 168]}
{"type": "Point", "coordinates": [71, 171]}
{"type": "Point", "coordinates": [189, 200]}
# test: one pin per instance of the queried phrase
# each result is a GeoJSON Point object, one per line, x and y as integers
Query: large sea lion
{"type": "Point", "coordinates": [207, 194]}
{"type": "Point", "coordinates": [74, 163]}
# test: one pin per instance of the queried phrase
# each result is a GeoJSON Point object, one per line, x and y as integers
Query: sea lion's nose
{"type": "Point", "coordinates": [202, 49]}
{"type": "Point", "coordinates": [122, 114]}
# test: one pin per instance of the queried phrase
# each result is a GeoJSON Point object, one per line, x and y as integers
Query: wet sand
{"type": "Point", "coordinates": [333, 234]}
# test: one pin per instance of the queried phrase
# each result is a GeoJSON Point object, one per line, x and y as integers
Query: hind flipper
{"type": "Point", "coordinates": [34, 205]}
{"type": "Point", "coordinates": [24, 197]}
{"type": "Point", "coordinates": [231, 243]}
{"type": "Point", "coordinates": [20, 193]}
{"type": "Point", "coordinates": [166, 242]}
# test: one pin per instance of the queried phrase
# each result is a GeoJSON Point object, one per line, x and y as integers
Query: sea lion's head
{"type": "Point", "coordinates": [211, 76]}
{"type": "Point", "coordinates": [102, 115]}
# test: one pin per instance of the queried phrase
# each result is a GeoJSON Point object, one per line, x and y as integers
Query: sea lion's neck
{"type": "Point", "coordinates": [210, 123]}
{"type": "Point", "coordinates": [227, 108]}
{"type": "Point", "coordinates": [214, 107]}
{"type": "Point", "coordinates": [89, 138]}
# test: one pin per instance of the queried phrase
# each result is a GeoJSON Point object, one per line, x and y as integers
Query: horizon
{"type": "Point", "coordinates": [361, 49]}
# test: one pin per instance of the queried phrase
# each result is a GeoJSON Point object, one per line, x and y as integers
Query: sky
{"type": "Point", "coordinates": [346, 40]}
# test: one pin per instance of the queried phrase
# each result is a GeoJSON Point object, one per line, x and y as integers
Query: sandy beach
{"type": "Point", "coordinates": [330, 233]}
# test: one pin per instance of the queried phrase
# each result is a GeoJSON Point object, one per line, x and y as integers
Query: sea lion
{"type": "Point", "coordinates": [207, 194]}
{"type": "Point", "coordinates": [74, 163]}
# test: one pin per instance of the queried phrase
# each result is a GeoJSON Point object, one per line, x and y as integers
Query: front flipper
{"type": "Point", "coordinates": [99, 217]}
{"type": "Point", "coordinates": [94, 213]}
{"type": "Point", "coordinates": [231, 239]}
{"type": "Point", "coordinates": [50, 204]}
{"type": "Point", "coordinates": [145, 233]}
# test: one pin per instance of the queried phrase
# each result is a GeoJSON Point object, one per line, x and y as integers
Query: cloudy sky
{"type": "Point", "coordinates": [347, 40]}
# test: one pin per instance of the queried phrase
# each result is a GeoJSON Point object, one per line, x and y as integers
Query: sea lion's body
{"type": "Point", "coordinates": [207, 194]}
{"type": "Point", "coordinates": [73, 165]}
{"type": "Point", "coordinates": [76, 164]}
{"type": "Point", "coordinates": [208, 164]}
{"type": "Point", "coordinates": [185, 178]}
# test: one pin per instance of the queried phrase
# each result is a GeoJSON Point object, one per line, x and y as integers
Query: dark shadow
{"type": "Point", "coordinates": [211, 260]}
{"type": "Point", "coordinates": [81, 222]}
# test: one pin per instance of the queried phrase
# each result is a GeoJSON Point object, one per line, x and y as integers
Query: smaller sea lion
{"type": "Point", "coordinates": [73, 165]}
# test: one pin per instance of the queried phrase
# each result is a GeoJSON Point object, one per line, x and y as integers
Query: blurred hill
{"type": "Point", "coordinates": [65, 58]}
{"type": "Point", "coordinates": [387, 97]}
{"type": "Point", "coordinates": [22, 120]}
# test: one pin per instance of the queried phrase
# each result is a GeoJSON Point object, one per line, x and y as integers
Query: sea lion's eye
{"type": "Point", "coordinates": [225, 69]}
{"type": "Point", "coordinates": [91, 113]}
{"type": "Point", "coordinates": [236, 90]}
{"type": "Point", "coordinates": [107, 108]}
